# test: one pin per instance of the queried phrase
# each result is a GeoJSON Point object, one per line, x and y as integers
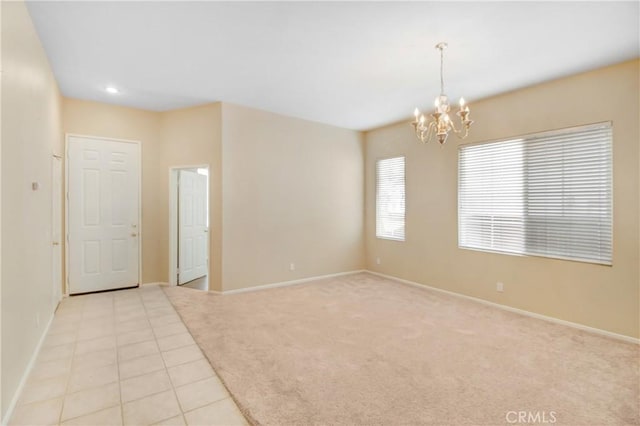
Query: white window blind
{"type": "Point", "coordinates": [548, 194]}
{"type": "Point", "coordinates": [390, 198]}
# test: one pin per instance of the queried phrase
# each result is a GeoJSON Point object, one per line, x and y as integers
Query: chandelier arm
{"type": "Point", "coordinates": [453, 127]}
{"type": "Point", "coordinates": [425, 134]}
{"type": "Point", "coordinates": [430, 131]}
{"type": "Point", "coordinates": [463, 134]}
{"type": "Point", "coordinates": [460, 133]}
{"type": "Point", "coordinates": [419, 131]}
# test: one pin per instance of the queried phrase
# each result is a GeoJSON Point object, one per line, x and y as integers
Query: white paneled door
{"type": "Point", "coordinates": [103, 185]}
{"type": "Point", "coordinates": [192, 226]}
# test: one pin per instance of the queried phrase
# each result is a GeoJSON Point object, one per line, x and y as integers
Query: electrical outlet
{"type": "Point", "coordinates": [499, 287]}
{"type": "Point", "coordinates": [377, 260]}
{"type": "Point", "coordinates": [292, 266]}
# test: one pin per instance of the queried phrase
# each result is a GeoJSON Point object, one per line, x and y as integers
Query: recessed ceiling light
{"type": "Point", "coordinates": [112, 90]}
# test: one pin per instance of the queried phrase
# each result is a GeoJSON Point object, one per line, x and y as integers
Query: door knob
{"type": "Point", "coordinates": [133, 234]}
{"type": "Point", "coordinates": [55, 243]}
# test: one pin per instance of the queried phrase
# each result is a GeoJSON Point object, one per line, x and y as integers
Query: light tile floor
{"type": "Point", "coordinates": [122, 358]}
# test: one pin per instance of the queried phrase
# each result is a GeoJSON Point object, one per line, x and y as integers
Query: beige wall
{"type": "Point", "coordinates": [183, 137]}
{"type": "Point", "coordinates": [193, 136]}
{"type": "Point", "coordinates": [292, 193]}
{"type": "Point", "coordinates": [31, 134]}
{"type": "Point", "coordinates": [288, 190]}
{"type": "Point", "coordinates": [597, 296]}
{"type": "Point", "coordinates": [109, 121]}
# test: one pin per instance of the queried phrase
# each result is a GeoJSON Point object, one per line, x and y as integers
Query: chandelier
{"type": "Point", "coordinates": [440, 124]}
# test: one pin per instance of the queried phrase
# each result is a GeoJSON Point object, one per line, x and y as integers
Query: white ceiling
{"type": "Point", "coordinates": [357, 65]}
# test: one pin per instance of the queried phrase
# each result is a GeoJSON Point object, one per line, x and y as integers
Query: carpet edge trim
{"type": "Point", "coordinates": [243, 410]}
{"type": "Point", "coordinates": [554, 320]}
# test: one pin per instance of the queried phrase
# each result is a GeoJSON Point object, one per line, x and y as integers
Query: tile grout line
{"type": "Point", "coordinates": [146, 317]}
{"type": "Point", "coordinates": [96, 386]}
{"type": "Point", "coordinates": [14, 403]}
{"type": "Point", "coordinates": [118, 363]}
{"type": "Point", "coordinates": [166, 369]}
{"type": "Point", "coordinates": [91, 387]}
{"type": "Point", "coordinates": [173, 387]}
{"type": "Point", "coordinates": [211, 402]}
{"type": "Point", "coordinates": [114, 322]}
{"type": "Point", "coordinates": [73, 355]}
{"type": "Point", "coordinates": [215, 373]}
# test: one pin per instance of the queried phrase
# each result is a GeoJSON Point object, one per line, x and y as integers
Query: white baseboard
{"type": "Point", "coordinates": [27, 371]}
{"type": "Point", "coordinates": [285, 283]}
{"type": "Point", "coordinates": [594, 330]}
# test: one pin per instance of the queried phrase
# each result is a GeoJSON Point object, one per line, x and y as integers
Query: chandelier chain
{"type": "Point", "coordinates": [441, 71]}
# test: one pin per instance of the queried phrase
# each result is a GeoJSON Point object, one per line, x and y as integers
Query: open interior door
{"type": "Point", "coordinates": [192, 226]}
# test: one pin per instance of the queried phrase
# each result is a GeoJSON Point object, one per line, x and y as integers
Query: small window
{"type": "Point", "coordinates": [548, 194]}
{"type": "Point", "coordinates": [390, 198]}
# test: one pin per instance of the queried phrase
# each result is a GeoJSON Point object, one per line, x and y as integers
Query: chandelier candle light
{"type": "Point", "coordinates": [440, 124]}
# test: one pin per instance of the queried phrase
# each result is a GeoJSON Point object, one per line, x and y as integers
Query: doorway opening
{"type": "Point", "coordinates": [189, 226]}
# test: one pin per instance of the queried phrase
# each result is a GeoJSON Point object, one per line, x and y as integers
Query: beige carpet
{"type": "Point", "coordinates": [363, 350]}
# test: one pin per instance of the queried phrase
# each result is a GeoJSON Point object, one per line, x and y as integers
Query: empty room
{"type": "Point", "coordinates": [320, 213]}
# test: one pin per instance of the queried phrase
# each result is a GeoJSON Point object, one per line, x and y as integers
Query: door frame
{"type": "Point", "coordinates": [66, 202]}
{"type": "Point", "coordinates": [58, 292]}
{"type": "Point", "coordinates": [173, 219]}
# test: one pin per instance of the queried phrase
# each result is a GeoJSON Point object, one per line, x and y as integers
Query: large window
{"type": "Point", "coordinates": [548, 194]}
{"type": "Point", "coordinates": [390, 198]}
